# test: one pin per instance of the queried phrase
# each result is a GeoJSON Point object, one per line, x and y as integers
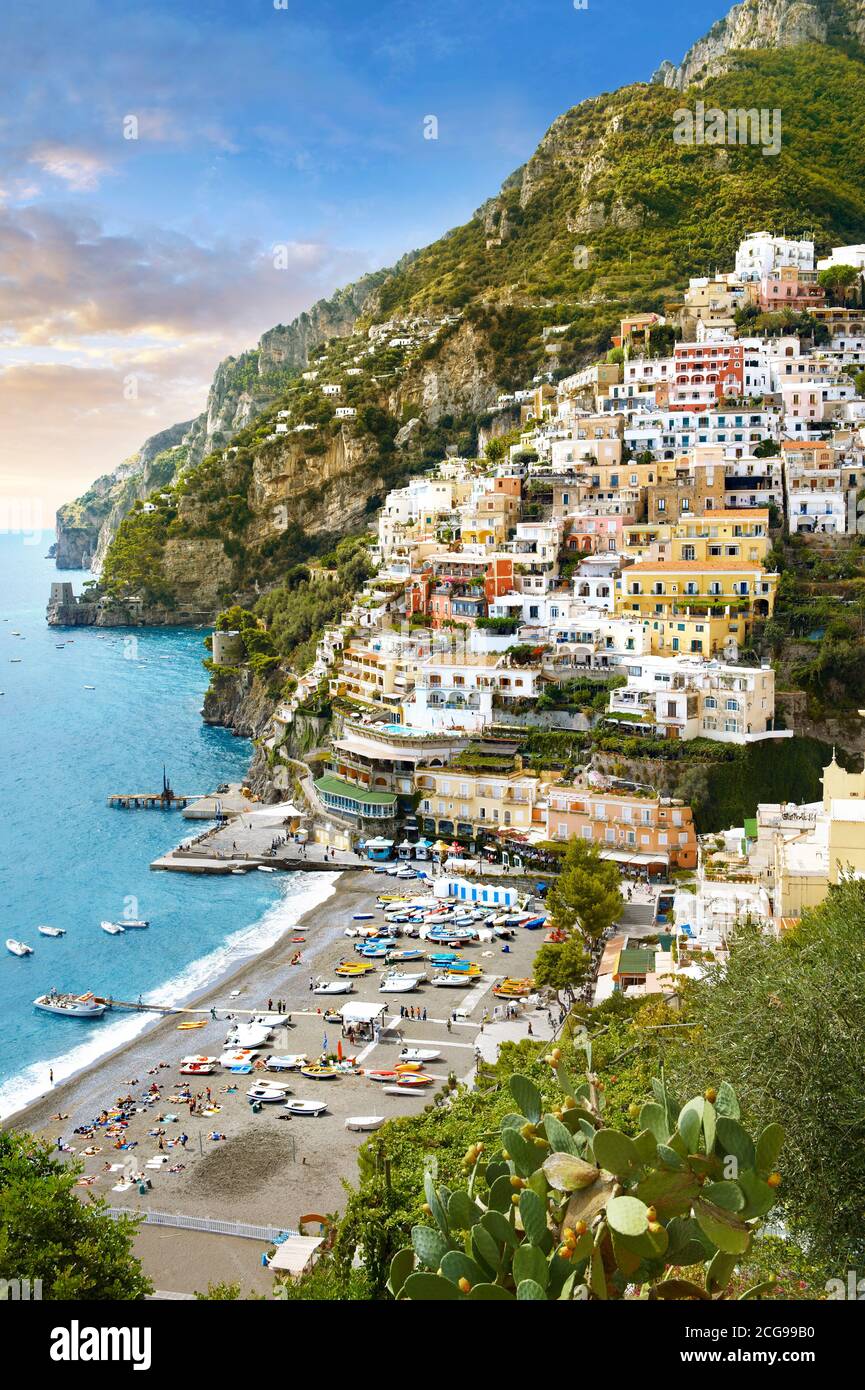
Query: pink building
{"type": "Point", "coordinates": [592, 535]}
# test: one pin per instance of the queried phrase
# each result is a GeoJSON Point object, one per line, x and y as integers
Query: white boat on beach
{"type": "Point", "coordinates": [397, 982]}
{"type": "Point", "coordinates": [454, 980]}
{"type": "Point", "coordinates": [306, 1107]}
{"type": "Point", "coordinates": [419, 1054]}
{"type": "Point", "coordinates": [267, 1093]}
{"type": "Point", "coordinates": [112, 928]}
{"type": "Point", "coordinates": [70, 1005]}
{"type": "Point", "coordinates": [365, 1122]}
{"type": "Point", "coordinates": [401, 1091]}
{"type": "Point", "coordinates": [18, 948]}
{"type": "Point", "coordinates": [265, 869]}
{"type": "Point", "coordinates": [334, 987]}
{"type": "Point", "coordinates": [51, 931]}
{"type": "Point", "coordinates": [291, 1062]}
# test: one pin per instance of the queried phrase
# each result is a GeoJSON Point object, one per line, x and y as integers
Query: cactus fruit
{"type": "Point", "coordinates": [606, 1216]}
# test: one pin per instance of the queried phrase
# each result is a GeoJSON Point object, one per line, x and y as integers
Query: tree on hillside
{"type": "Point", "coordinates": [785, 1020]}
{"type": "Point", "coordinates": [563, 967]}
{"type": "Point", "coordinates": [838, 280]}
{"type": "Point", "coordinates": [586, 896]}
{"type": "Point", "coordinates": [495, 450]}
{"type": "Point", "coordinates": [75, 1248]}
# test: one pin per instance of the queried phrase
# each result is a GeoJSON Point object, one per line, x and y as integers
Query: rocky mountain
{"type": "Point", "coordinates": [85, 526]}
{"type": "Point", "coordinates": [759, 24]}
{"type": "Point", "coordinates": [241, 389]}
{"type": "Point", "coordinates": [610, 215]}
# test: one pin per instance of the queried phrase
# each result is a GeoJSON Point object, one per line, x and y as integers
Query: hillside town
{"type": "Point", "coordinates": [604, 563]}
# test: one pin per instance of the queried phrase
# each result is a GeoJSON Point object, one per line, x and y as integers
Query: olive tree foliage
{"type": "Point", "coordinates": [784, 1018]}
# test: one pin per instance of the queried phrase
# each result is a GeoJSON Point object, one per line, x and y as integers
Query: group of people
{"type": "Point", "coordinates": [412, 1011]}
{"type": "Point", "coordinates": [281, 1008]}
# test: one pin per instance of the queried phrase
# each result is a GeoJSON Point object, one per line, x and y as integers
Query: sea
{"type": "Point", "coordinates": [69, 860]}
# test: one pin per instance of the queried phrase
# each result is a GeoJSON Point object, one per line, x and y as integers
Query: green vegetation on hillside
{"type": "Point", "coordinates": [73, 1246]}
{"type": "Point", "coordinates": [653, 212]}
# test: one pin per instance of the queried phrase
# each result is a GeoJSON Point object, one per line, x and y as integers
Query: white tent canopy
{"type": "Point", "coordinates": [284, 810]}
{"type": "Point", "coordinates": [362, 1013]}
{"type": "Point", "coordinates": [295, 1254]}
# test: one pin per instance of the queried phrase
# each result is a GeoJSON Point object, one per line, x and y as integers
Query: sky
{"type": "Point", "coordinates": [176, 176]}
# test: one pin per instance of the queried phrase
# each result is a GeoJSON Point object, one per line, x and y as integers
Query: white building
{"type": "Point", "coordinates": [844, 255]}
{"type": "Point", "coordinates": [685, 697]}
{"type": "Point", "coordinates": [761, 253]}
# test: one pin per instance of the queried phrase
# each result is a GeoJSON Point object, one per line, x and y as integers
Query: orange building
{"type": "Point", "coordinates": [643, 831]}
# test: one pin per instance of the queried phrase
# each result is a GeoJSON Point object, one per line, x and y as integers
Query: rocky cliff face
{"type": "Point", "coordinates": [456, 380]}
{"type": "Point", "coordinates": [84, 527]}
{"type": "Point", "coordinates": [766, 24]}
{"type": "Point", "coordinates": [242, 388]}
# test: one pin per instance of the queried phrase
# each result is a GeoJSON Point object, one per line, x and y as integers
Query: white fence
{"type": "Point", "coordinates": [270, 1234]}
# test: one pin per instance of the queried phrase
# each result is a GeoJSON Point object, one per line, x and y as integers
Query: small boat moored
{"type": "Point", "coordinates": [51, 931]}
{"type": "Point", "coordinates": [70, 1005]}
{"type": "Point", "coordinates": [112, 928]}
{"type": "Point", "coordinates": [364, 1123]}
{"type": "Point", "coordinates": [18, 948]}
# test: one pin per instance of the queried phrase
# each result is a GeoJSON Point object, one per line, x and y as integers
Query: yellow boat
{"type": "Point", "coordinates": [319, 1073]}
{"type": "Point", "coordinates": [200, 1024]}
{"type": "Point", "coordinates": [350, 967]}
{"type": "Point", "coordinates": [513, 989]}
{"type": "Point", "coordinates": [409, 1066]}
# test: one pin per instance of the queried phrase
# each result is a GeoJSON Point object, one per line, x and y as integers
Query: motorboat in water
{"type": "Point", "coordinates": [306, 1107]}
{"type": "Point", "coordinates": [265, 868]}
{"type": "Point", "coordinates": [51, 931]}
{"type": "Point", "coordinates": [365, 1123]}
{"type": "Point", "coordinates": [132, 922]}
{"type": "Point", "coordinates": [112, 928]}
{"type": "Point", "coordinates": [18, 948]}
{"type": "Point", "coordinates": [70, 1005]}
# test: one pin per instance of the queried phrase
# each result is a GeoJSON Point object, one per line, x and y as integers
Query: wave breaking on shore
{"type": "Point", "coordinates": [302, 893]}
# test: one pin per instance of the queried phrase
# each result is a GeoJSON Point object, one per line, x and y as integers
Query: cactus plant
{"type": "Point", "coordinates": [559, 1206]}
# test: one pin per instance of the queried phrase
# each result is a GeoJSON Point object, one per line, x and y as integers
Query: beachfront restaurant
{"type": "Point", "coordinates": [378, 848]}
{"type": "Point", "coordinates": [346, 799]}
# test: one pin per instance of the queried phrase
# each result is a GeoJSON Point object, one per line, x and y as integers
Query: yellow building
{"type": "Point", "coordinates": [730, 535]}
{"type": "Point", "coordinates": [695, 605]}
{"type": "Point", "coordinates": [814, 847]}
{"type": "Point", "coordinates": [469, 803]}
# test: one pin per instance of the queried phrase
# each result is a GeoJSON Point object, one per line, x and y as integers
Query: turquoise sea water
{"type": "Point", "coordinates": [68, 860]}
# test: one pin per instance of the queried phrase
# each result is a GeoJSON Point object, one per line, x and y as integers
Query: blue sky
{"type": "Point", "coordinates": [148, 259]}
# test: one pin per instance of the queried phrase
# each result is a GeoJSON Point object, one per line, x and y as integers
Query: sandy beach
{"type": "Point", "coordinates": [268, 1171]}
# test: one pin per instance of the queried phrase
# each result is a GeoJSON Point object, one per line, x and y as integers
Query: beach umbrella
{"type": "Point", "coordinates": [339, 1049]}
{"type": "Point", "coordinates": [324, 1044]}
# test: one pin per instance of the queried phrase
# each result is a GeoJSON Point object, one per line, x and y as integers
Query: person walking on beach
{"type": "Point", "coordinates": [311, 983]}
{"type": "Point", "coordinates": [51, 1076]}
